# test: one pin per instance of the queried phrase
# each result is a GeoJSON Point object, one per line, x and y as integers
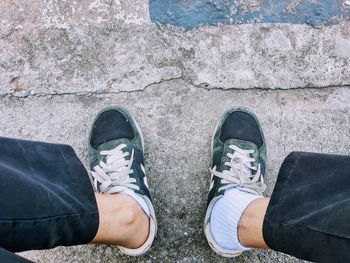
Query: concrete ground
{"type": "Point", "coordinates": [61, 61]}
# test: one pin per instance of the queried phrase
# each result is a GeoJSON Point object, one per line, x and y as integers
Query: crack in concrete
{"type": "Point", "coordinates": [206, 86]}
{"type": "Point", "coordinates": [88, 93]}
{"type": "Point", "coordinates": [186, 79]}
{"type": "Point", "coordinates": [278, 98]}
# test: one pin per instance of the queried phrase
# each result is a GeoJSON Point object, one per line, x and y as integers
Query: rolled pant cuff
{"type": "Point", "coordinates": [47, 199]}
{"type": "Point", "coordinates": [309, 212]}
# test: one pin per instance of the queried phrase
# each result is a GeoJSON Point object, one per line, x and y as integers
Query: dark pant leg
{"type": "Point", "coordinates": [46, 198]}
{"type": "Point", "coordinates": [309, 212]}
{"type": "Point", "coordinates": [9, 257]}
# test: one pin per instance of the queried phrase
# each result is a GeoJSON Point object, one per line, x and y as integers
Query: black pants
{"type": "Point", "coordinates": [46, 200]}
{"type": "Point", "coordinates": [309, 212]}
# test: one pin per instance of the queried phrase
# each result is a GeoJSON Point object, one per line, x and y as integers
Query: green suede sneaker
{"type": "Point", "coordinates": [239, 161]}
{"type": "Point", "coordinates": [116, 161]}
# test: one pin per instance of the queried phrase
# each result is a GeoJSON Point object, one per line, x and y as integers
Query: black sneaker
{"type": "Point", "coordinates": [116, 161]}
{"type": "Point", "coordinates": [239, 161]}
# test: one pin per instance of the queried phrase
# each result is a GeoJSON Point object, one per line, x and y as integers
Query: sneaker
{"type": "Point", "coordinates": [238, 161]}
{"type": "Point", "coordinates": [116, 161]}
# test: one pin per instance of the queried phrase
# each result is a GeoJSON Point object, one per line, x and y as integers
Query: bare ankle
{"type": "Point", "coordinates": [122, 221]}
{"type": "Point", "coordinates": [251, 224]}
{"type": "Point", "coordinates": [136, 224]}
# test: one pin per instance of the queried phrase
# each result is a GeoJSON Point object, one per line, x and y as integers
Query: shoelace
{"type": "Point", "coordinates": [240, 174]}
{"type": "Point", "coordinates": [113, 175]}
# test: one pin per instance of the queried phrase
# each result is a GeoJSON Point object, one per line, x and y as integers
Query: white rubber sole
{"type": "Point", "coordinates": [153, 220]}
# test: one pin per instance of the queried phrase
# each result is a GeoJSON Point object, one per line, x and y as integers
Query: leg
{"type": "Point", "coordinates": [9, 257]}
{"type": "Point", "coordinates": [122, 221]}
{"type": "Point", "coordinates": [46, 197]}
{"type": "Point", "coordinates": [250, 226]}
{"type": "Point", "coordinates": [52, 201]}
{"type": "Point", "coordinates": [309, 212]}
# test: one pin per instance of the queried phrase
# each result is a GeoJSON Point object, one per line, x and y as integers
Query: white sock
{"type": "Point", "coordinates": [225, 217]}
{"type": "Point", "coordinates": [139, 200]}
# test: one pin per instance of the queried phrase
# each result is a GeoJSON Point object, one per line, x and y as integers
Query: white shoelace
{"type": "Point", "coordinates": [240, 174]}
{"type": "Point", "coordinates": [113, 175]}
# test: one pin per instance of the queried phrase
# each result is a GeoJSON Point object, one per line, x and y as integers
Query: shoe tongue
{"type": "Point", "coordinates": [110, 145]}
{"type": "Point", "coordinates": [244, 145]}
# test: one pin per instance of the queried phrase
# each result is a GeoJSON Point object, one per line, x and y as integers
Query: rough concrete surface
{"type": "Point", "coordinates": [61, 61]}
